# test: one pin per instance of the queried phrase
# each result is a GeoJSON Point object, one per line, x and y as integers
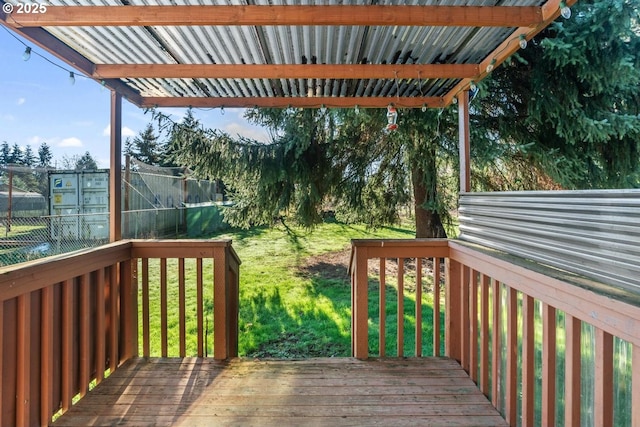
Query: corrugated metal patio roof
{"type": "Point", "coordinates": [288, 52]}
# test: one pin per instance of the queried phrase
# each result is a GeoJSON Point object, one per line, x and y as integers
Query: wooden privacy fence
{"type": "Point", "coordinates": [68, 320]}
{"type": "Point", "coordinates": [510, 326]}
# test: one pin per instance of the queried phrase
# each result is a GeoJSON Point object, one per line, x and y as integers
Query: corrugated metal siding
{"type": "Point", "coordinates": [591, 233]}
{"type": "Point", "coordinates": [287, 45]}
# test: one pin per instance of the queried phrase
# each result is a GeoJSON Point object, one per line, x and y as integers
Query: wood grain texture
{"type": "Point", "coordinates": [337, 391]}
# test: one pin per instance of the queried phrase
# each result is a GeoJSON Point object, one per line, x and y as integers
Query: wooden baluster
{"type": "Point", "coordinates": [400, 313]}
{"type": "Point", "coordinates": [635, 384]}
{"type": "Point", "coordinates": [436, 307]}
{"type": "Point", "coordinates": [199, 307]}
{"type": "Point", "coordinates": [67, 344]}
{"type": "Point", "coordinates": [182, 324]}
{"type": "Point", "coordinates": [114, 334]}
{"type": "Point", "coordinates": [100, 335]}
{"type": "Point", "coordinates": [163, 307]}
{"type": "Point", "coordinates": [383, 307]}
{"type": "Point", "coordinates": [23, 360]}
{"type": "Point", "coordinates": [46, 356]}
{"type": "Point", "coordinates": [512, 358]}
{"type": "Point", "coordinates": [465, 332]}
{"type": "Point", "coordinates": [572, 372]}
{"type": "Point", "coordinates": [146, 345]}
{"type": "Point", "coordinates": [603, 404]}
{"type": "Point", "coordinates": [548, 365]}
{"type": "Point", "coordinates": [84, 344]}
{"type": "Point", "coordinates": [496, 358]}
{"type": "Point", "coordinates": [528, 347]}
{"type": "Point", "coordinates": [418, 331]}
{"type": "Point", "coordinates": [484, 334]}
{"type": "Point", "coordinates": [473, 325]}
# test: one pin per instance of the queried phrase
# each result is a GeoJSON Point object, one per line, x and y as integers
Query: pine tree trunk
{"type": "Point", "coordinates": [428, 222]}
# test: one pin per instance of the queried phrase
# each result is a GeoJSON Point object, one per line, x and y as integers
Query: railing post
{"type": "Point", "coordinates": [129, 309]}
{"type": "Point", "coordinates": [453, 287]}
{"type": "Point", "coordinates": [359, 304]}
{"type": "Point", "coordinates": [220, 296]}
{"type": "Point", "coordinates": [233, 305]}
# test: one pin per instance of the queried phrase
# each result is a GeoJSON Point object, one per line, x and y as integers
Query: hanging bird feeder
{"type": "Point", "coordinates": [392, 118]}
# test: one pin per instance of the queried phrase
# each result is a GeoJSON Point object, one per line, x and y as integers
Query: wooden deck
{"type": "Point", "coordinates": [322, 392]}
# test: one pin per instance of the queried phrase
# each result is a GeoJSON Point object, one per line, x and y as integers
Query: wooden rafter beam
{"type": "Point", "coordinates": [550, 12]}
{"type": "Point", "coordinates": [286, 71]}
{"type": "Point", "coordinates": [358, 15]}
{"type": "Point", "coordinates": [298, 102]}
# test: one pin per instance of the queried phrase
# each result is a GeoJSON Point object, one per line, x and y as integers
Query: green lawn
{"type": "Point", "coordinates": [295, 298]}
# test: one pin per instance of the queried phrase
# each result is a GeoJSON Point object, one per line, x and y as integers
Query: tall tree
{"type": "Point", "coordinates": [336, 158]}
{"type": "Point", "coordinates": [29, 158]}
{"type": "Point", "coordinates": [5, 153]}
{"type": "Point", "coordinates": [145, 147]}
{"type": "Point", "coordinates": [16, 156]}
{"type": "Point", "coordinates": [44, 155]}
{"type": "Point", "coordinates": [569, 103]}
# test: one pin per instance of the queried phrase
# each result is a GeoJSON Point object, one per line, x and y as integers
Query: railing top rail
{"type": "Point", "coordinates": [181, 248]}
{"type": "Point", "coordinates": [30, 276]}
{"type": "Point", "coordinates": [399, 248]}
{"type": "Point", "coordinates": [575, 295]}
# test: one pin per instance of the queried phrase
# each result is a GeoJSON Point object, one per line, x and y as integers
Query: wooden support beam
{"type": "Point", "coordinates": [115, 172]}
{"type": "Point", "coordinates": [352, 15]}
{"type": "Point", "coordinates": [297, 102]}
{"type": "Point", "coordinates": [287, 71]}
{"type": "Point", "coordinates": [464, 141]}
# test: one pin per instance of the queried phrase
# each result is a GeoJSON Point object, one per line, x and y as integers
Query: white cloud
{"type": "Point", "coordinates": [35, 140]}
{"type": "Point", "coordinates": [125, 131]}
{"type": "Point", "coordinates": [254, 133]}
{"type": "Point", "coordinates": [70, 142]}
{"type": "Point", "coordinates": [21, 101]}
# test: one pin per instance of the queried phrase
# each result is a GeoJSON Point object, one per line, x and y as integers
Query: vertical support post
{"type": "Point", "coordinates": [453, 291]}
{"type": "Point", "coordinates": [464, 138]}
{"type": "Point", "coordinates": [115, 173]}
{"type": "Point", "coordinates": [360, 302]}
{"type": "Point", "coordinates": [220, 296]}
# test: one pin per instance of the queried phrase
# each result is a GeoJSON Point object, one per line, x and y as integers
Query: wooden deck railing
{"type": "Point", "coordinates": [66, 320]}
{"type": "Point", "coordinates": [514, 325]}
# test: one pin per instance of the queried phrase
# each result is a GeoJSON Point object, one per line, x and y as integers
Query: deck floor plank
{"type": "Point", "coordinates": [310, 392]}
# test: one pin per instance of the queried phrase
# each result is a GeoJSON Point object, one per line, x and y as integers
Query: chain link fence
{"type": "Point", "coordinates": [28, 238]}
{"type": "Point", "coordinates": [158, 203]}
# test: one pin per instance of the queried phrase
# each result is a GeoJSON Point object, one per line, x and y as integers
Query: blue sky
{"type": "Point", "coordinates": [38, 104]}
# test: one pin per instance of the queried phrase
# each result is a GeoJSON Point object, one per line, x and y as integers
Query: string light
{"type": "Point", "coordinates": [523, 41]}
{"type": "Point", "coordinates": [27, 54]}
{"type": "Point", "coordinates": [454, 99]}
{"type": "Point", "coordinates": [472, 86]}
{"type": "Point", "coordinates": [424, 108]}
{"type": "Point", "coordinates": [491, 65]}
{"type": "Point", "coordinates": [72, 78]}
{"type": "Point", "coordinates": [357, 109]}
{"type": "Point", "coordinates": [565, 10]}
{"type": "Point", "coordinates": [323, 108]}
